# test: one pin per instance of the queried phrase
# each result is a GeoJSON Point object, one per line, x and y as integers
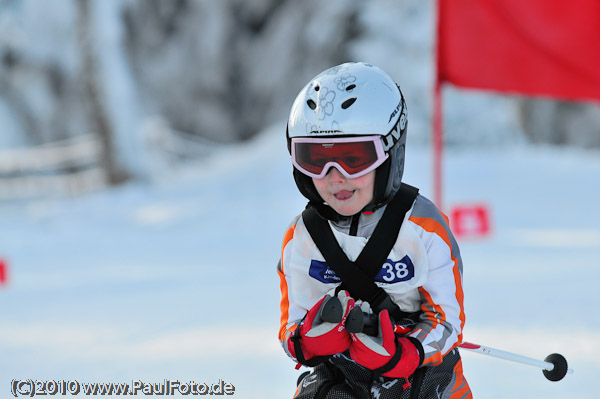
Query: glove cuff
{"type": "Point", "coordinates": [419, 347]}
{"type": "Point", "coordinates": [403, 355]}
{"type": "Point", "coordinates": [393, 360]}
{"type": "Point", "coordinates": [296, 349]}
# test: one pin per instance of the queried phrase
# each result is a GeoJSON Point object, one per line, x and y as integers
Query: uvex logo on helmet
{"type": "Point", "coordinates": [396, 134]}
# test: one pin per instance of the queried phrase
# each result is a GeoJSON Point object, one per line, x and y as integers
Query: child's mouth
{"type": "Point", "coordinates": [343, 195]}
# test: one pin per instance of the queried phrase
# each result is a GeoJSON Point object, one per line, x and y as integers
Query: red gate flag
{"type": "Point", "coordinates": [533, 47]}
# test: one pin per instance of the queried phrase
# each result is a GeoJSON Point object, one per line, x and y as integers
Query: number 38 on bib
{"type": "Point", "coordinates": [396, 271]}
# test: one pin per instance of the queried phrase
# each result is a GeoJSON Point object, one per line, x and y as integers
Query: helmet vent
{"type": "Point", "coordinates": [311, 104]}
{"type": "Point", "coordinates": [351, 87]}
{"type": "Point", "coordinates": [346, 104]}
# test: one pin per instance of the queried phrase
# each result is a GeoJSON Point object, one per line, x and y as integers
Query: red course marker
{"type": "Point", "coordinates": [3, 272]}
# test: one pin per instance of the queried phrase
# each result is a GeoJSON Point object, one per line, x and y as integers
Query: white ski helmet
{"type": "Point", "coordinates": [353, 99]}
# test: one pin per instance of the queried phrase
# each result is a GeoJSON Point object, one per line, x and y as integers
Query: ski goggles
{"type": "Point", "coordinates": [352, 156]}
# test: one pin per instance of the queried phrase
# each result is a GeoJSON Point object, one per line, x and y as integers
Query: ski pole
{"type": "Point", "coordinates": [554, 366]}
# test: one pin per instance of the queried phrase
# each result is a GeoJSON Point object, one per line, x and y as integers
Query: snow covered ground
{"type": "Point", "coordinates": [176, 280]}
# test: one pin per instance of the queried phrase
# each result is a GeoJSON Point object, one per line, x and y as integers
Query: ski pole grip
{"type": "Point", "coordinates": [362, 322]}
{"type": "Point", "coordinates": [331, 310]}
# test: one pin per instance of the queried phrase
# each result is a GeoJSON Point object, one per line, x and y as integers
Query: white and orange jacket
{"type": "Point", "coordinates": [423, 273]}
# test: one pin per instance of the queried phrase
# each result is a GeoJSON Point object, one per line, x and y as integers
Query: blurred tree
{"type": "Point", "coordinates": [561, 122]}
{"type": "Point", "coordinates": [94, 98]}
{"type": "Point", "coordinates": [226, 69]}
{"type": "Point", "coordinates": [12, 65]}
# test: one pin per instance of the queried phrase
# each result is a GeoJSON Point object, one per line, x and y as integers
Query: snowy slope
{"type": "Point", "coordinates": [177, 280]}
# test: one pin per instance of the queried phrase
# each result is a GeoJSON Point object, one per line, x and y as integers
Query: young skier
{"type": "Point", "coordinates": [396, 326]}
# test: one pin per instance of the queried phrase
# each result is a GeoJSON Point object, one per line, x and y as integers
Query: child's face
{"type": "Point", "coordinates": [346, 196]}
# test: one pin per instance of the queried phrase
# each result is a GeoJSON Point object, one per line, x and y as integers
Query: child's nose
{"type": "Point", "coordinates": [335, 176]}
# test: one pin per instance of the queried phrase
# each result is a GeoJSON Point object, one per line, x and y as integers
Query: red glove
{"type": "Point", "coordinates": [386, 354]}
{"type": "Point", "coordinates": [317, 337]}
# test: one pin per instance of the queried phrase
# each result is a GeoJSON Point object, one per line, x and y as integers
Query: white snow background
{"type": "Point", "coordinates": [176, 280]}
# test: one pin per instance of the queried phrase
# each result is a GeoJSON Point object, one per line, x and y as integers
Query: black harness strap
{"type": "Point", "coordinates": [358, 277]}
{"type": "Point", "coordinates": [375, 253]}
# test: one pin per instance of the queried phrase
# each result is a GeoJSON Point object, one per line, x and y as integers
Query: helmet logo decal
{"type": "Point", "coordinates": [392, 137]}
{"type": "Point", "coordinates": [315, 129]}
{"type": "Point", "coordinates": [395, 111]}
{"type": "Point", "coordinates": [333, 70]}
{"type": "Point", "coordinates": [403, 120]}
{"type": "Point", "coordinates": [325, 107]}
{"type": "Point", "coordinates": [345, 82]}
